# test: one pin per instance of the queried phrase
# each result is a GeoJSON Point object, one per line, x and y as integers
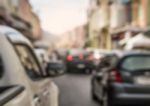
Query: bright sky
{"type": "Point", "coordinates": [58, 16]}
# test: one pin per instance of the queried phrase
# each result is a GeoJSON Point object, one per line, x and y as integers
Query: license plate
{"type": "Point", "coordinates": [81, 66]}
{"type": "Point", "coordinates": [142, 80]}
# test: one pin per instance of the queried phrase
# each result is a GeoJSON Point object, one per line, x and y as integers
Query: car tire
{"type": "Point", "coordinates": [92, 91]}
{"type": "Point", "coordinates": [94, 97]}
{"type": "Point", "coordinates": [106, 101]}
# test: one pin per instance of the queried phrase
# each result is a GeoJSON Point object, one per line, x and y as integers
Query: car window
{"type": "Point", "coordinates": [132, 63]}
{"type": "Point", "coordinates": [76, 52]}
{"type": "Point", "coordinates": [29, 62]}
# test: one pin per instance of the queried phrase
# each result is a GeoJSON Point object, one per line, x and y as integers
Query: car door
{"type": "Point", "coordinates": [11, 74]}
{"type": "Point", "coordinates": [39, 85]}
{"type": "Point", "coordinates": [98, 87]}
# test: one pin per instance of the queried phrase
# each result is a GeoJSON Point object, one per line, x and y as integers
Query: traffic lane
{"type": "Point", "coordinates": [75, 90]}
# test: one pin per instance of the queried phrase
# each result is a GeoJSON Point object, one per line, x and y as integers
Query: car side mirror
{"type": "Point", "coordinates": [55, 69]}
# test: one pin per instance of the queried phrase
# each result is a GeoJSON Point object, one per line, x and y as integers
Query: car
{"type": "Point", "coordinates": [123, 80]}
{"type": "Point", "coordinates": [53, 66]}
{"type": "Point", "coordinates": [98, 56]}
{"type": "Point", "coordinates": [23, 81]}
{"type": "Point", "coordinates": [79, 60]}
{"type": "Point", "coordinates": [56, 67]}
{"type": "Point", "coordinates": [42, 55]}
{"type": "Point", "coordinates": [61, 53]}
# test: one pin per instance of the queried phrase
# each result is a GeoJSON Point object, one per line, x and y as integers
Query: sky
{"type": "Point", "coordinates": [59, 16]}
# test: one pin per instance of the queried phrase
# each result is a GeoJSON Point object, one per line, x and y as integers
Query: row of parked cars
{"type": "Point", "coordinates": [83, 60]}
{"type": "Point", "coordinates": [123, 79]}
{"type": "Point", "coordinates": [23, 79]}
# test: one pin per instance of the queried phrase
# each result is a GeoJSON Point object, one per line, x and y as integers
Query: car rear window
{"type": "Point", "coordinates": [139, 62]}
{"type": "Point", "coordinates": [76, 52]}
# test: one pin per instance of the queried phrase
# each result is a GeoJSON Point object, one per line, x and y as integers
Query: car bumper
{"type": "Point", "coordinates": [80, 65]}
{"type": "Point", "coordinates": [127, 99]}
{"type": "Point", "coordinates": [119, 96]}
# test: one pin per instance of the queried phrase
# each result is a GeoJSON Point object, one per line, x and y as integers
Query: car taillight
{"type": "Point", "coordinates": [117, 76]}
{"type": "Point", "coordinates": [69, 58]}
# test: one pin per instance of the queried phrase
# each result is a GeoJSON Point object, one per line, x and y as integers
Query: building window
{"type": "Point", "coordinates": [98, 2]}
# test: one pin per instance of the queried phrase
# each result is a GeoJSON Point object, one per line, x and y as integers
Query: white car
{"type": "Point", "coordinates": [23, 81]}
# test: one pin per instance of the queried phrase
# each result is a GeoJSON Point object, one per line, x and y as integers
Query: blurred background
{"type": "Point", "coordinates": [76, 36]}
{"type": "Point", "coordinates": [102, 24]}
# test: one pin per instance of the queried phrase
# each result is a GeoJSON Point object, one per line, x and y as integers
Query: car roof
{"type": "Point", "coordinates": [13, 35]}
{"type": "Point", "coordinates": [40, 51]}
{"type": "Point", "coordinates": [121, 54]}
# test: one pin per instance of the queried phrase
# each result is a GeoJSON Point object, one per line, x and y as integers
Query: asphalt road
{"type": "Point", "coordinates": [75, 90]}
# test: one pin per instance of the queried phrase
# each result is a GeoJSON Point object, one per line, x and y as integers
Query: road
{"type": "Point", "coordinates": [75, 90]}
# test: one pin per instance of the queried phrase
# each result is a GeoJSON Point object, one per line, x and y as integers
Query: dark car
{"type": "Point", "coordinates": [78, 60]}
{"type": "Point", "coordinates": [56, 67]}
{"type": "Point", "coordinates": [99, 56]}
{"type": "Point", "coordinates": [125, 81]}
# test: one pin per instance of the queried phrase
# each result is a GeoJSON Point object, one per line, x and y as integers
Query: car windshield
{"type": "Point", "coordinates": [77, 52]}
{"type": "Point", "coordinates": [139, 62]}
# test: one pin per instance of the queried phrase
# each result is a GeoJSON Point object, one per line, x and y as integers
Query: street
{"type": "Point", "coordinates": [75, 90]}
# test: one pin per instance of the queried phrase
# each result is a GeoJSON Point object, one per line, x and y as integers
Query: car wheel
{"type": "Point", "coordinates": [69, 70]}
{"type": "Point", "coordinates": [60, 71]}
{"type": "Point", "coordinates": [51, 72]}
{"type": "Point", "coordinates": [94, 97]}
{"type": "Point", "coordinates": [105, 101]}
{"type": "Point", "coordinates": [92, 91]}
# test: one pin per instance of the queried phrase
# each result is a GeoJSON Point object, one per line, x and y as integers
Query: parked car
{"type": "Point", "coordinates": [42, 56]}
{"type": "Point", "coordinates": [56, 67]}
{"type": "Point", "coordinates": [23, 81]}
{"type": "Point", "coordinates": [124, 80]}
{"type": "Point", "coordinates": [61, 53]}
{"type": "Point", "coordinates": [79, 60]}
{"type": "Point", "coordinates": [98, 56]}
{"type": "Point", "coordinates": [53, 66]}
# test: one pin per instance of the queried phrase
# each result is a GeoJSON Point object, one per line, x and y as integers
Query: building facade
{"type": "Point", "coordinates": [20, 16]}
{"type": "Point", "coordinates": [98, 24]}
{"type": "Point", "coordinates": [120, 16]}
